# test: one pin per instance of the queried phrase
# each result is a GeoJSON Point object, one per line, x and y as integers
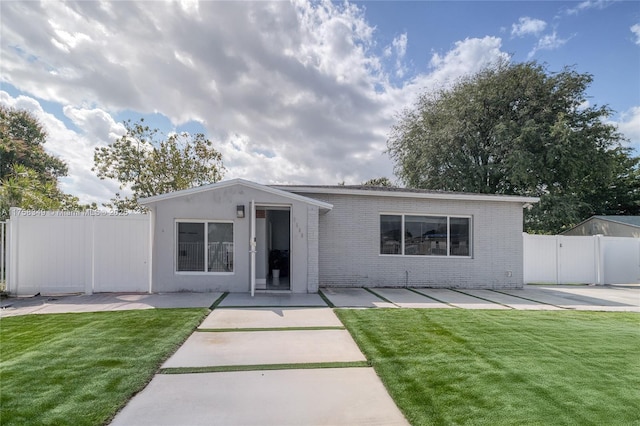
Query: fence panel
{"type": "Point", "coordinates": [77, 252]}
{"type": "Point", "coordinates": [3, 255]}
{"type": "Point", "coordinates": [540, 259]}
{"type": "Point", "coordinates": [559, 259]}
{"type": "Point", "coordinates": [621, 260]}
{"type": "Point", "coordinates": [121, 254]}
{"type": "Point", "coordinates": [49, 254]}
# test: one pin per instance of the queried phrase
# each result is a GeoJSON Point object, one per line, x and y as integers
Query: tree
{"type": "Point", "coordinates": [147, 163]}
{"type": "Point", "coordinates": [28, 174]}
{"type": "Point", "coordinates": [518, 129]}
{"type": "Point", "coordinates": [381, 181]}
{"type": "Point", "coordinates": [21, 142]}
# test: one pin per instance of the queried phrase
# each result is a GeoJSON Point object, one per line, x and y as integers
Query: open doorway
{"type": "Point", "coordinates": [273, 248]}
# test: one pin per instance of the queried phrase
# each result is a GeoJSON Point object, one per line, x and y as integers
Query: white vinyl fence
{"type": "Point", "coordinates": [559, 259]}
{"type": "Point", "coordinates": [77, 252]}
{"type": "Point", "coordinates": [91, 252]}
{"type": "Point", "coordinates": [3, 255]}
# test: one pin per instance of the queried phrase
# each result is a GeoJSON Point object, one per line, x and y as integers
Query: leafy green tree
{"type": "Point", "coordinates": [518, 129]}
{"type": "Point", "coordinates": [21, 142]}
{"type": "Point", "coordinates": [148, 163]}
{"type": "Point", "coordinates": [28, 174]}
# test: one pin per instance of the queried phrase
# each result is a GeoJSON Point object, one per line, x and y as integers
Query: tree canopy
{"type": "Point", "coordinates": [148, 163]}
{"type": "Point", "coordinates": [28, 174]}
{"type": "Point", "coordinates": [519, 129]}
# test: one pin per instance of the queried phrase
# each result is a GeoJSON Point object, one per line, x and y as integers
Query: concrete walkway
{"type": "Point", "coordinates": [265, 366]}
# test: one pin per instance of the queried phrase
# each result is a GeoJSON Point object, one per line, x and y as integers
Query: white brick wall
{"type": "Point", "coordinates": [312, 249]}
{"type": "Point", "coordinates": [349, 244]}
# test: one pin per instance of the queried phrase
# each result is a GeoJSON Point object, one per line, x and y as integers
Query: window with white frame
{"type": "Point", "coordinates": [423, 235]}
{"type": "Point", "coordinates": [204, 247]}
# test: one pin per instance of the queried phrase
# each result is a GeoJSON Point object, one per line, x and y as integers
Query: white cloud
{"type": "Point", "coordinates": [400, 46]}
{"type": "Point", "coordinates": [629, 126]}
{"type": "Point", "coordinates": [291, 92]}
{"type": "Point", "coordinates": [635, 29]}
{"type": "Point", "coordinates": [589, 4]}
{"type": "Point", "coordinates": [528, 26]}
{"type": "Point", "coordinates": [75, 148]}
{"type": "Point", "coordinates": [548, 42]}
{"type": "Point", "coordinates": [467, 57]}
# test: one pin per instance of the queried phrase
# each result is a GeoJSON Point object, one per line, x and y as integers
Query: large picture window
{"type": "Point", "coordinates": [204, 247]}
{"type": "Point", "coordinates": [414, 235]}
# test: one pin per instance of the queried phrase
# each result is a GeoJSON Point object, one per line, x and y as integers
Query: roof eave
{"type": "Point", "coordinates": [400, 194]}
{"type": "Point", "coordinates": [225, 184]}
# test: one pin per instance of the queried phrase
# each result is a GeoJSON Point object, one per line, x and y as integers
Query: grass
{"type": "Point", "coordinates": [79, 369]}
{"type": "Point", "coordinates": [264, 367]}
{"type": "Point", "coordinates": [504, 367]}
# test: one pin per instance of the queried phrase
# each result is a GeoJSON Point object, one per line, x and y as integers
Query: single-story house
{"type": "Point", "coordinates": [609, 226]}
{"type": "Point", "coordinates": [240, 236]}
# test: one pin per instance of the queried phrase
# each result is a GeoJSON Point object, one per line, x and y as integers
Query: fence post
{"type": "Point", "coordinates": [12, 252]}
{"type": "Point", "coordinates": [3, 251]}
{"type": "Point", "coordinates": [599, 259]}
{"type": "Point", "coordinates": [558, 257]}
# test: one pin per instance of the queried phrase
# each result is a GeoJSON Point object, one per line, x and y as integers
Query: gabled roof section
{"type": "Point", "coordinates": [233, 182]}
{"type": "Point", "coordinates": [383, 191]}
{"type": "Point", "coordinates": [625, 220]}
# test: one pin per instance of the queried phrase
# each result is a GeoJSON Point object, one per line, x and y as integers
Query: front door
{"type": "Point", "coordinates": [273, 247]}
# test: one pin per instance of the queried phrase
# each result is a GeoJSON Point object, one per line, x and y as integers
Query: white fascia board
{"type": "Point", "coordinates": [421, 195]}
{"type": "Point", "coordinates": [233, 182]}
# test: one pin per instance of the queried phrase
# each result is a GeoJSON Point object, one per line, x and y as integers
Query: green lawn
{"type": "Point", "coordinates": [79, 369]}
{"type": "Point", "coordinates": [505, 367]}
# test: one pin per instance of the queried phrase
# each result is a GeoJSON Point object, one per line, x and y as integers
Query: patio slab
{"type": "Point", "coordinates": [271, 299]}
{"type": "Point", "coordinates": [512, 301]}
{"type": "Point", "coordinates": [105, 302]}
{"type": "Point", "coordinates": [232, 318]}
{"type": "Point", "coordinates": [409, 299]}
{"type": "Point", "coordinates": [576, 297]}
{"type": "Point", "coordinates": [328, 396]}
{"type": "Point", "coordinates": [354, 298]}
{"type": "Point", "coordinates": [458, 299]}
{"type": "Point", "coordinates": [209, 349]}
{"type": "Point", "coordinates": [609, 296]}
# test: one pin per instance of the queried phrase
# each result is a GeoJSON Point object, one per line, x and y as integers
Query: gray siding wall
{"type": "Point", "coordinates": [350, 244]}
{"type": "Point", "coordinates": [220, 204]}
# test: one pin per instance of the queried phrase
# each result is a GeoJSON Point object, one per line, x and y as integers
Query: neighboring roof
{"type": "Point", "coordinates": [384, 191]}
{"type": "Point", "coordinates": [233, 182]}
{"type": "Point", "coordinates": [625, 220]}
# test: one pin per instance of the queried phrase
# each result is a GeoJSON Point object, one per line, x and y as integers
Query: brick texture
{"type": "Point", "coordinates": [349, 245]}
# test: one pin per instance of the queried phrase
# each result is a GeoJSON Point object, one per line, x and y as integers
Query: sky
{"type": "Point", "coordinates": [289, 92]}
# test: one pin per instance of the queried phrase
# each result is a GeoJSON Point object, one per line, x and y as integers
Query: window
{"type": "Point", "coordinates": [390, 234]}
{"type": "Point", "coordinates": [459, 228]}
{"type": "Point", "coordinates": [414, 235]}
{"type": "Point", "coordinates": [192, 241]}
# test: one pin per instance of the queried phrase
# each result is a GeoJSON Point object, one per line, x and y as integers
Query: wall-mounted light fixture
{"type": "Point", "coordinates": [240, 211]}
